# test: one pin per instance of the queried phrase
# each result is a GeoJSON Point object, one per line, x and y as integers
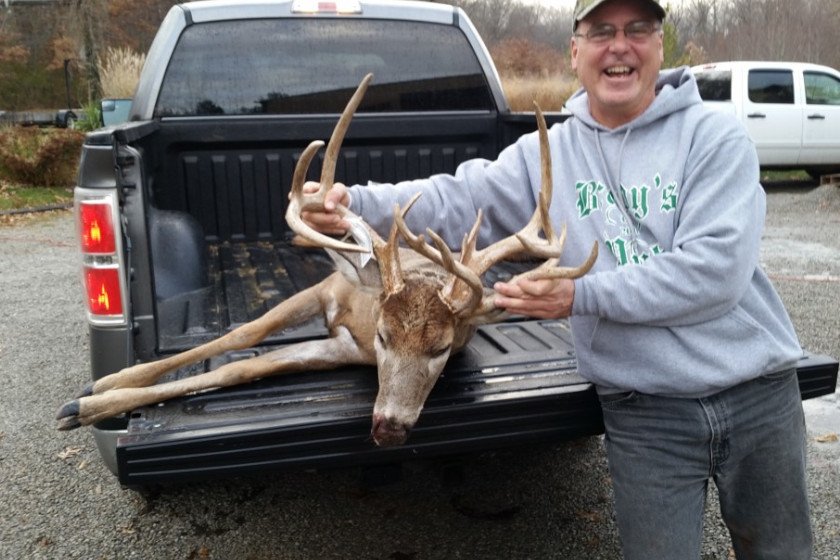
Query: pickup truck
{"type": "Point", "coordinates": [181, 212]}
{"type": "Point", "coordinates": [791, 110]}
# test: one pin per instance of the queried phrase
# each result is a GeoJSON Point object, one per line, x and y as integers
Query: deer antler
{"type": "Point", "coordinates": [302, 202]}
{"type": "Point", "coordinates": [464, 292]}
{"type": "Point", "coordinates": [528, 239]}
{"type": "Point", "coordinates": [444, 257]}
{"type": "Point", "coordinates": [388, 257]}
{"type": "Point", "coordinates": [387, 252]}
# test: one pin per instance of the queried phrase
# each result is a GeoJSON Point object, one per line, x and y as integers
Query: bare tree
{"type": "Point", "coordinates": [497, 20]}
{"type": "Point", "coordinates": [491, 17]}
{"type": "Point", "coordinates": [761, 29]}
{"type": "Point", "coordinates": [89, 15]}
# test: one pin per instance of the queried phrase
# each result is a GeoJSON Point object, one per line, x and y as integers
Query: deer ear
{"type": "Point", "coordinates": [350, 265]}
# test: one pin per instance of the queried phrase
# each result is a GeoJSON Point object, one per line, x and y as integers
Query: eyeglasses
{"type": "Point", "coordinates": [636, 32]}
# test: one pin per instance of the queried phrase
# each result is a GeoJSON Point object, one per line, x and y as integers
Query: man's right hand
{"type": "Point", "coordinates": [328, 221]}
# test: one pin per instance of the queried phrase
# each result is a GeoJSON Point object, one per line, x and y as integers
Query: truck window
{"type": "Point", "coordinates": [715, 85]}
{"type": "Point", "coordinates": [301, 65]}
{"type": "Point", "coordinates": [770, 86]}
{"type": "Point", "coordinates": [821, 89]}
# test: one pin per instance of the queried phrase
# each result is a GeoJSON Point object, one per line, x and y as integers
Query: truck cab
{"type": "Point", "coordinates": [790, 109]}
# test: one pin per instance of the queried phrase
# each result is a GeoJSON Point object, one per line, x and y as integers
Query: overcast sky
{"type": "Point", "coordinates": [570, 4]}
{"type": "Point", "coordinates": [556, 3]}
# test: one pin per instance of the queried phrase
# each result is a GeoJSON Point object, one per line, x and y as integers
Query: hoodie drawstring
{"type": "Point", "coordinates": [614, 181]}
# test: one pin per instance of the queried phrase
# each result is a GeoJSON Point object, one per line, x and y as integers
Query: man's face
{"type": "Point", "coordinates": [619, 75]}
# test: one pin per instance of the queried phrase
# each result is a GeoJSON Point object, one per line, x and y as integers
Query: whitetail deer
{"type": "Point", "coordinates": [407, 315]}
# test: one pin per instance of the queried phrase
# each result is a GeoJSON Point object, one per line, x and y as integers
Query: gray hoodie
{"type": "Point", "coordinates": [677, 303]}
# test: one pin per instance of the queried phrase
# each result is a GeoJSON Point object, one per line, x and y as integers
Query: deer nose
{"type": "Point", "coordinates": [386, 433]}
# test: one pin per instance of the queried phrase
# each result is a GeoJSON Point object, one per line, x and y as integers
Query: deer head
{"type": "Point", "coordinates": [428, 300]}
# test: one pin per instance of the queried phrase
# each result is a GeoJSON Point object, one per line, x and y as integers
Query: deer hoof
{"type": "Point", "coordinates": [86, 391]}
{"type": "Point", "coordinates": [68, 416]}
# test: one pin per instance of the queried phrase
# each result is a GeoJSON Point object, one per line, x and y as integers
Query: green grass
{"type": "Point", "coordinates": [774, 176]}
{"type": "Point", "coordinates": [14, 197]}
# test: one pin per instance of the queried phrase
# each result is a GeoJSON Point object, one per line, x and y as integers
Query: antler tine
{"type": "Point", "coordinates": [546, 271]}
{"type": "Point", "coordinates": [458, 301]}
{"type": "Point", "coordinates": [416, 242]}
{"type": "Point", "coordinates": [388, 256]}
{"type": "Point", "coordinates": [331, 155]}
{"type": "Point", "coordinates": [547, 182]}
{"type": "Point", "coordinates": [444, 257]}
{"type": "Point", "coordinates": [471, 289]}
{"type": "Point", "coordinates": [528, 239]}
{"type": "Point", "coordinates": [301, 202]}
{"type": "Point", "coordinates": [301, 167]}
{"type": "Point", "coordinates": [468, 244]}
{"type": "Point", "coordinates": [550, 270]}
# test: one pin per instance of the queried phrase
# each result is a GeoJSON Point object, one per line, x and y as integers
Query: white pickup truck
{"type": "Point", "coordinates": [791, 110]}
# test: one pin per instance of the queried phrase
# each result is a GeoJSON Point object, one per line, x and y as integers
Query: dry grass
{"type": "Point", "coordinates": [119, 70]}
{"type": "Point", "coordinates": [549, 92]}
{"type": "Point", "coordinates": [533, 71]}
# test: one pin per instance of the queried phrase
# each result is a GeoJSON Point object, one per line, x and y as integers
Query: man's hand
{"type": "Point", "coordinates": [328, 221]}
{"type": "Point", "coordinates": [542, 299]}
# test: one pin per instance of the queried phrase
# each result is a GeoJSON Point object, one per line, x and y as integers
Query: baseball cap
{"type": "Point", "coordinates": [584, 7]}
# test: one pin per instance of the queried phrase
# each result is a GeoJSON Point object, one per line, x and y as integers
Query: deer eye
{"type": "Point", "coordinates": [441, 351]}
{"type": "Point", "coordinates": [380, 338]}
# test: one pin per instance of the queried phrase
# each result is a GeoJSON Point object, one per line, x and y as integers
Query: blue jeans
{"type": "Point", "coordinates": [750, 439]}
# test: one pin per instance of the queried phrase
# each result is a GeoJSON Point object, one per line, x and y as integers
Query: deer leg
{"type": "Point", "coordinates": [296, 309]}
{"type": "Point", "coordinates": [311, 355]}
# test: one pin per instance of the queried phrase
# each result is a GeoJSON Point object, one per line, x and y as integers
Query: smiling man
{"type": "Point", "coordinates": [678, 327]}
{"type": "Point", "coordinates": [617, 57]}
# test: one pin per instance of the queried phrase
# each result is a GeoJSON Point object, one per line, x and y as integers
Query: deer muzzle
{"type": "Point", "coordinates": [387, 433]}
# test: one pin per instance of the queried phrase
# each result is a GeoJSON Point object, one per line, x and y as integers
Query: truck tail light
{"type": "Point", "coordinates": [104, 296]}
{"type": "Point", "coordinates": [102, 261]}
{"type": "Point", "coordinates": [96, 227]}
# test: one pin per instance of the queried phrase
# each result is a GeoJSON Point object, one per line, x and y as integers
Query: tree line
{"type": "Point", "coordinates": [38, 41]}
{"type": "Point", "coordinates": [711, 30]}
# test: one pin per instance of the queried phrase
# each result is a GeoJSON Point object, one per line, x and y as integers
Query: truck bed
{"type": "Point", "coordinates": [245, 279]}
{"type": "Point", "coordinates": [515, 383]}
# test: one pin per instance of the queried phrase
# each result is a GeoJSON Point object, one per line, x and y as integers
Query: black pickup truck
{"type": "Point", "coordinates": [181, 213]}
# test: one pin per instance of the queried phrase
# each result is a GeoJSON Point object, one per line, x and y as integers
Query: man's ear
{"type": "Point", "coordinates": [661, 36]}
{"type": "Point", "coordinates": [573, 48]}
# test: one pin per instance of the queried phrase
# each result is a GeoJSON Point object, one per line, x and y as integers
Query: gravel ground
{"type": "Point", "coordinates": [60, 501]}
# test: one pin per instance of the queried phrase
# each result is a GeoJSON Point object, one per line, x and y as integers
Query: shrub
{"type": "Point", "coordinates": [40, 157]}
{"type": "Point", "coordinates": [550, 93]}
{"type": "Point", "coordinates": [523, 57]}
{"type": "Point", "coordinates": [90, 119]}
{"type": "Point", "coordinates": [119, 71]}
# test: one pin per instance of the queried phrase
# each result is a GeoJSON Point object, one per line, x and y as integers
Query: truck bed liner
{"type": "Point", "coordinates": [246, 279]}
{"type": "Point", "coordinates": [515, 383]}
